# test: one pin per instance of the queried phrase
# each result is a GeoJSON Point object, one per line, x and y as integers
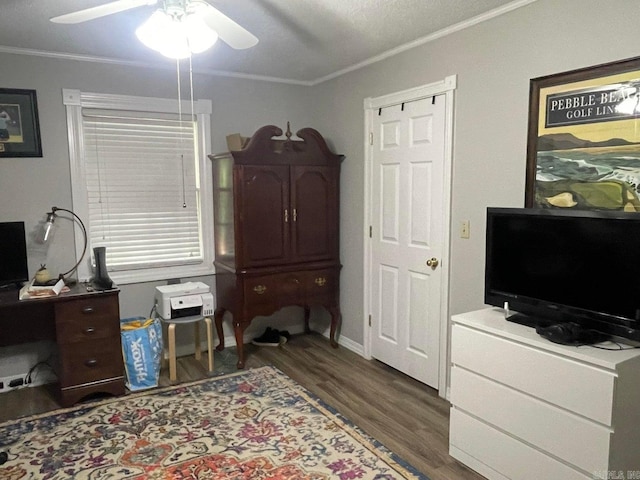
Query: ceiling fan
{"type": "Point", "coordinates": [229, 31]}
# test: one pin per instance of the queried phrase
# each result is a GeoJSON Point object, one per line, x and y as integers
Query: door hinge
{"type": "Point", "coordinates": [370, 138]}
{"type": "Point", "coordinates": [369, 320]}
{"type": "Point", "coordinates": [370, 231]}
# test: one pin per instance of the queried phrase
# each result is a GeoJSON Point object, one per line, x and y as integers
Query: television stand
{"type": "Point", "coordinates": [529, 320]}
{"type": "Point", "coordinates": [523, 407]}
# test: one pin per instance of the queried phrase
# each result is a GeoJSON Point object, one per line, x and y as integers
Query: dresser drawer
{"type": "Point", "coordinates": [91, 361]}
{"type": "Point", "coordinates": [583, 389]}
{"type": "Point", "coordinates": [577, 440]}
{"type": "Point", "coordinates": [471, 439]}
{"type": "Point", "coordinates": [87, 319]}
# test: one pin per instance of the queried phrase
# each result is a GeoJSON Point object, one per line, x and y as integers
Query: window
{"type": "Point", "coordinates": [139, 178]}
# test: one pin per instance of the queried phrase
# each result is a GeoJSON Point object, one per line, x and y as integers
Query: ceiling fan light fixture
{"type": "Point", "coordinates": [199, 36]}
{"type": "Point", "coordinates": [176, 35]}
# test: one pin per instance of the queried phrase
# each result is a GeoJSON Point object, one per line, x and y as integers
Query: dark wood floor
{"type": "Point", "coordinates": [406, 416]}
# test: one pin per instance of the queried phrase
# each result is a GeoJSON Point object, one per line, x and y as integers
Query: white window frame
{"type": "Point", "coordinates": [75, 101]}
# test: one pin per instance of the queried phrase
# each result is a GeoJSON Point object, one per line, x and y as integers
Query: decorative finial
{"type": "Point", "coordinates": [288, 134]}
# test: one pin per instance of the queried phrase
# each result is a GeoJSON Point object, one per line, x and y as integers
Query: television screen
{"type": "Point", "coordinates": [578, 266]}
{"type": "Point", "coordinates": [13, 254]}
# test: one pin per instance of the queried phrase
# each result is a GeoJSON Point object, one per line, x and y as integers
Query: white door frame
{"type": "Point", "coordinates": [444, 87]}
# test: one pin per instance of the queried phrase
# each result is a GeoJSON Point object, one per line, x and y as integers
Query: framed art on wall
{"type": "Point", "coordinates": [19, 125]}
{"type": "Point", "coordinates": [583, 149]}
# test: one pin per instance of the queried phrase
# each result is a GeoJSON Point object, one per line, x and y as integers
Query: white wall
{"type": "Point", "coordinates": [494, 62]}
{"type": "Point", "coordinates": [29, 187]}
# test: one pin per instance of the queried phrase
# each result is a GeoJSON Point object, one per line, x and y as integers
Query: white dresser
{"type": "Point", "coordinates": [525, 408]}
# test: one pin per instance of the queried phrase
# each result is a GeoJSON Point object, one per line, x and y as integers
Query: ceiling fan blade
{"type": "Point", "coordinates": [230, 32]}
{"type": "Point", "coordinates": [101, 11]}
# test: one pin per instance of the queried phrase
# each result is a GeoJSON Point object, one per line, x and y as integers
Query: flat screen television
{"type": "Point", "coordinates": [13, 254]}
{"type": "Point", "coordinates": [566, 266]}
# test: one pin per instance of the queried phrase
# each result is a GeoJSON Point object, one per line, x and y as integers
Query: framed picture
{"type": "Point", "coordinates": [583, 149]}
{"type": "Point", "coordinates": [19, 125]}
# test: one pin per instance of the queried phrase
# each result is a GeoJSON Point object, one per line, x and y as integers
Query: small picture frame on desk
{"type": "Point", "coordinates": [19, 124]}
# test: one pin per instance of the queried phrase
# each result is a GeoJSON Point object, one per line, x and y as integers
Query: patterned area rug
{"type": "Point", "coordinates": [251, 425]}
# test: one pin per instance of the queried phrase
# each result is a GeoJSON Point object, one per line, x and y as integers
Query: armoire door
{"type": "Point", "coordinates": [314, 205]}
{"type": "Point", "coordinates": [264, 215]}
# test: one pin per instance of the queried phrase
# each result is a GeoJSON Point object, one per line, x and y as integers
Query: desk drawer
{"type": "Point", "coordinates": [87, 319]}
{"type": "Point", "coordinates": [90, 362]}
{"type": "Point", "coordinates": [583, 389]}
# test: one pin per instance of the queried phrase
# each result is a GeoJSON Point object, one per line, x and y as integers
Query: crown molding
{"type": "Point", "coordinates": [136, 64]}
{"type": "Point", "coordinates": [263, 78]}
{"type": "Point", "coordinates": [426, 39]}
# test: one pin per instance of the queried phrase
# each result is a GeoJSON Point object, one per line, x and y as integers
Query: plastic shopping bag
{"type": "Point", "coordinates": [142, 351]}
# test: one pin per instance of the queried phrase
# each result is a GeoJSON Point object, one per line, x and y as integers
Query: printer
{"type": "Point", "coordinates": [181, 300]}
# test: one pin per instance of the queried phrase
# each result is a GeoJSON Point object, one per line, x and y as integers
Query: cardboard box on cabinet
{"type": "Point", "coordinates": [235, 141]}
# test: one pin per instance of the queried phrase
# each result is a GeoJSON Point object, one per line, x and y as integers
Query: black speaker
{"type": "Point", "coordinates": [101, 278]}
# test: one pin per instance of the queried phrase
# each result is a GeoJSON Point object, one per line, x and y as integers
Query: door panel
{"type": "Point", "coordinates": [314, 206]}
{"type": "Point", "coordinates": [264, 228]}
{"type": "Point", "coordinates": [388, 298]}
{"type": "Point", "coordinates": [407, 201]}
{"type": "Point", "coordinates": [389, 190]}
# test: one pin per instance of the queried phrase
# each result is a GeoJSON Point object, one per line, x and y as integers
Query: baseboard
{"type": "Point", "coordinates": [230, 341]}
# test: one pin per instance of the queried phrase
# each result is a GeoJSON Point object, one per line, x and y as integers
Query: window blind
{"type": "Point", "coordinates": [142, 186]}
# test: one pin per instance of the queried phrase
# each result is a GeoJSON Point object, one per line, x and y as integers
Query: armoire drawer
{"type": "Point", "coordinates": [321, 286]}
{"type": "Point", "coordinates": [584, 389]}
{"type": "Point", "coordinates": [262, 290]}
{"type": "Point", "coordinates": [311, 287]}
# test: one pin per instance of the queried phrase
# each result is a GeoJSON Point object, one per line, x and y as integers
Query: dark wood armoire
{"type": "Point", "coordinates": [276, 205]}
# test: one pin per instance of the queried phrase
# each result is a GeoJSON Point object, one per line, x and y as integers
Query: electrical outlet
{"type": "Point", "coordinates": [464, 229]}
{"type": "Point", "coordinates": [14, 381]}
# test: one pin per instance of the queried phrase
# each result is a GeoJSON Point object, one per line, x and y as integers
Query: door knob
{"type": "Point", "coordinates": [433, 263]}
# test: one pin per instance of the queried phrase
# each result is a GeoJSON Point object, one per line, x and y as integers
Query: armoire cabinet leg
{"type": "Point", "coordinates": [217, 317]}
{"type": "Point", "coordinates": [307, 314]}
{"type": "Point", "coordinates": [239, 330]}
{"type": "Point", "coordinates": [336, 318]}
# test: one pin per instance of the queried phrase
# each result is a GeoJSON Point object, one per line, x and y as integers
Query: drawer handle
{"type": "Point", "coordinates": [87, 310]}
{"type": "Point", "coordinates": [89, 331]}
{"type": "Point", "coordinates": [320, 281]}
{"type": "Point", "coordinates": [92, 362]}
{"type": "Point", "coordinates": [259, 289]}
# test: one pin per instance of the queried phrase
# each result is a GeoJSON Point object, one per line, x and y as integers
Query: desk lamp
{"type": "Point", "coordinates": [48, 226]}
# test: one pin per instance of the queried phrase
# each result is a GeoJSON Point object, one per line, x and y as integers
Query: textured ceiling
{"type": "Point", "coordinates": [301, 41]}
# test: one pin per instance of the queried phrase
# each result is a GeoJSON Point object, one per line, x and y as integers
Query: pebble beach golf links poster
{"type": "Point", "coordinates": [584, 139]}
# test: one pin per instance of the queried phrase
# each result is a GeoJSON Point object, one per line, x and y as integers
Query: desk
{"type": "Point", "coordinates": [86, 328]}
